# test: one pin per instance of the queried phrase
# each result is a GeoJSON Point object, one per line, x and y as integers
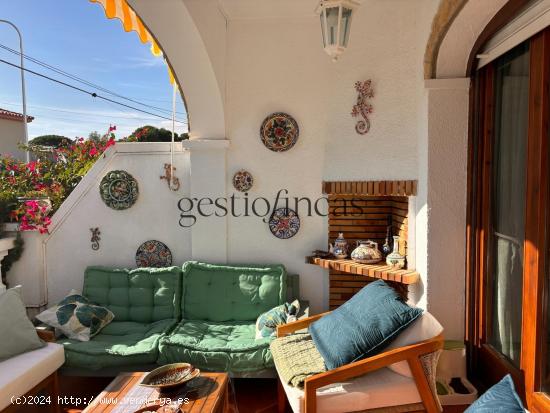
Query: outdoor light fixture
{"type": "Point", "coordinates": [336, 24]}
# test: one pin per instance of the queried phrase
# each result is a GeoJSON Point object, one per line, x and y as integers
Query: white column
{"type": "Point", "coordinates": [5, 245]}
{"type": "Point", "coordinates": [208, 183]}
{"type": "Point", "coordinates": [447, 160]}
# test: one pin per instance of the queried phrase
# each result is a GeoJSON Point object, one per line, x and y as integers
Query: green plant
{"type": "Point", "coordinates": [94, 136]}
{"type": "Point", "coordinates": [13, 255]}
{"type": "Point", "coordinates": [53, 177]}
{"type": "Point", "coordinates": [4, 213]}
{"type": "Point", "coordinates": [153, 134]}
{"type": "Point", "coordinates": [54, 141]}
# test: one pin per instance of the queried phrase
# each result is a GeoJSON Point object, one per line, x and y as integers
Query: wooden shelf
{"type": "Point", "coordinates": [383, 272]}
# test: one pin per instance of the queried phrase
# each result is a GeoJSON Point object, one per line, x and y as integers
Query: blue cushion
{"type": "Point", "coordinates": [501, 398]}
{"type": "Point", "coordinates": [362, 326]}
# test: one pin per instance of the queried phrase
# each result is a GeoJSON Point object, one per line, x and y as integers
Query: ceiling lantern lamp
{"type": "Point", "coordinates": [336, 24]}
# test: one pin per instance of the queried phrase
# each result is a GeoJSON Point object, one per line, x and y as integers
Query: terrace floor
{"type": "Point", "coordinates": [249, 396]}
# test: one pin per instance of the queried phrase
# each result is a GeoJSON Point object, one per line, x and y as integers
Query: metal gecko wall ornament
{"type": "Point", "coordinates": [95, 238]}
{"type": "Point", "coordinates": [172, 180]}
{"type": "Point", "coordinates": [363, 107]}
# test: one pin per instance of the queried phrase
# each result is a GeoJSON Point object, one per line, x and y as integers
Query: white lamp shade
{"type": "Point", "coordinates": [336, 24]}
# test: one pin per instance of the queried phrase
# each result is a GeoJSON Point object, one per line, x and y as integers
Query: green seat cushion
{"type": "Point", "coordinates": [217, 346]}
{"type": "Point", "coordinates": [231, 293]}
{"type": "Point", "coordinates": [120, 343]}
{"type": "Point", "coordinates": [143, 295]}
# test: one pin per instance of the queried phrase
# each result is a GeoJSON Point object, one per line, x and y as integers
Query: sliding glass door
{"type": "Point", "coordinates": [509, 222]}
{"type": "Point", "coordinates": [507, 231]}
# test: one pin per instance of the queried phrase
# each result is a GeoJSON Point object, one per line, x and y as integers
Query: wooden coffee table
{"type": "Point", "coordinates": [207, 393]}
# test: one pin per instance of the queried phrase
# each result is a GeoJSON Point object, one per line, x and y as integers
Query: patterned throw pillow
{"type": "Point", "coordinates": [77, 317]}
{"type": "Point", "coordinates": [266, 324]}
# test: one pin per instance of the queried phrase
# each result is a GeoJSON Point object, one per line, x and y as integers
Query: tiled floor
{"type": "Point", "coordinates": [247, 395]}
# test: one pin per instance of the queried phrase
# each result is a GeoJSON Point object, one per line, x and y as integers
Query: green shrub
{"type": "Point", "coordinates": [53, 141]}
{"type": "Point", "coordinates": [153, 134]}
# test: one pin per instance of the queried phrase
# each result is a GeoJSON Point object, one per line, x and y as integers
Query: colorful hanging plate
{"type": "Point", "coordinates": [243, 181]}
{"type": "Point", "coordinates": [284, 223]}
{"type": "Point", "coordinates": [119, 190]}
{"type": "Point", "coordinates": [279, 132]}
{"type": "Point", "coordinates": [153, 254]}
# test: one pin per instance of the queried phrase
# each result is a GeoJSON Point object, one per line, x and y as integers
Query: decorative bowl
{"type": "Point", "coordinates": [169, 376]}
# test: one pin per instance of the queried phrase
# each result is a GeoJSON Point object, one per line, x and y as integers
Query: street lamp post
{"type": "Point", "coordinates": [22, 83]}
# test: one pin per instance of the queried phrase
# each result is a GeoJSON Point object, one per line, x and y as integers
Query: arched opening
{"type": "Point", "coordinates": [176, 34]}
{"type": "Point", "coordinates": [171, 31]}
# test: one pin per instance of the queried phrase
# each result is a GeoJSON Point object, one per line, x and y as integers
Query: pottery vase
{"type": "Point", "coordinates": [367, 252]}
{"type": "Point", "coordinates": [395, 259]}
{"type": "Point", "coordinates": [340, 248]}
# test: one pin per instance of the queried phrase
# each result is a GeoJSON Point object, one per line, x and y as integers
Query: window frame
{"type": "Point", "coordinates": [485, 365]}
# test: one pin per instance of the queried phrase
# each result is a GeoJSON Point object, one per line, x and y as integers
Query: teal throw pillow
{"type": "Point", "coordinates": [363, 325]}
{"type": "Point", "coordinates": [266, 324]}
{"type": "Point", "coordinates": [77, 317]}
{"type": "Point", "coordinates": [501, 398]}
{"type": "Point", "coordinates": [18, 333]}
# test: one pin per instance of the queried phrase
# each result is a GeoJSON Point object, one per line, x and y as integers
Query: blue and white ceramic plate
{"type": "Point", "coordinates": [284, 223]}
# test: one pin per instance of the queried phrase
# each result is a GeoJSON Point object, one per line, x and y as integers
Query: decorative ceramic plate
{"type": "Point", "coordinates": [119, 190]}
{"type": "Point", "coordinates": [170, 375]}
{"type": "Point", "coordinates": [279, 132]}
{"type": "Point", "coordinates": [243, 181]}
{"type": "Point", "coordinates": [284, 223]}
{"type": "Point", "coordinates": [153, 254]}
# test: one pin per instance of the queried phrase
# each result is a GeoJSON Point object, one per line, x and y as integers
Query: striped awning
{"type": "Point", "coordinates": [119, 9]}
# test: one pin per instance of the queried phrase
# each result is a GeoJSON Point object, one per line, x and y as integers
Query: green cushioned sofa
{"type": "Point", "coordinates": [220, 305]}
{"type": "Point", "coordinates": [203, 314]}
{"type": "Point", "coordinates": [146, 305]}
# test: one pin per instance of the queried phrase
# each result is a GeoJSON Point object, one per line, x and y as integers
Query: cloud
{"type": "Point", "coordinates": [151, 61]}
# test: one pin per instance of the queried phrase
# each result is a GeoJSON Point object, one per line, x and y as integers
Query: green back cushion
{"type": "Point", "coordinates": [143, 295]}
{"type": "Point", "coordinates": [231, 293]}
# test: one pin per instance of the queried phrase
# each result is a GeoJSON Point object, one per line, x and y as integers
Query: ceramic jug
{"type": "Point", "coordinates": [340, 248]}
{"type": "Point", "coordinates": [367, 252]}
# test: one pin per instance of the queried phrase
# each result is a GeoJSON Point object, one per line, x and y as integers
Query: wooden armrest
{"type": "Point", "coordinates": [46, 334]}
{"type": "Point", "coordinates": [409, 353]}
{"type": "Point", "coordinates": [289, 328]}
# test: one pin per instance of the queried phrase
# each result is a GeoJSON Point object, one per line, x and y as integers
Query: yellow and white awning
{"type": "Point", "coordinates": [119, 9]}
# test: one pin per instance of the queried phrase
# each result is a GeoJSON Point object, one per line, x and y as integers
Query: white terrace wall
{"type": "Point", "coordinates": [269, 59]}
{"type": "Point", "coordinates": [66, 252]}
{"type": "Point", "coordinates": [275, 63]}
{"type": "Point", "coordinates": [279, 65]}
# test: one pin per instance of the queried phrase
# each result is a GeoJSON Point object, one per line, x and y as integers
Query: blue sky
{"type": "Point", "coordinates": [75, 36]}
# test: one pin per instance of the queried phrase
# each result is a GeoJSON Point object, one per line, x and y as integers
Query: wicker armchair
{"type": "Point", "coordinates": [421, 357]}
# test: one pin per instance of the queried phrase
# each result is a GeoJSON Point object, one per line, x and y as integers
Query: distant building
{"type": "Point", "coordinates": [12, 133]}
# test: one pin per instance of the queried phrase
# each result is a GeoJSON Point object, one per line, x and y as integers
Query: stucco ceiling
{"type": "Point", "coordinates": [259, 9]}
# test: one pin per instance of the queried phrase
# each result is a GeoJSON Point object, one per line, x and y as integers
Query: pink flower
{"type": "Point", "coordinates": [92, 152]}
{"type": "Point", "coordinates": [26, 227]}
{"type": "Point", "coordinates": [31, 166]}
